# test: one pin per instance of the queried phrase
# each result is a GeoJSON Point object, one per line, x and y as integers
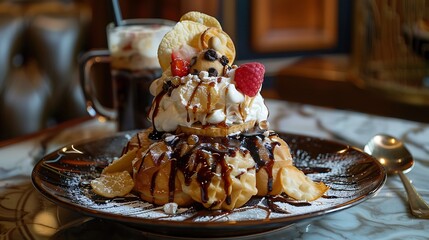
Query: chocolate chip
{"type": "Point", "coordinates": [224, 60]}
{"type": "Point", "coordinates": [168, 87]}
{"type": "Point", "coordinates": [210, 55]}
{"type": "Point", "coordinates": [212, 72]}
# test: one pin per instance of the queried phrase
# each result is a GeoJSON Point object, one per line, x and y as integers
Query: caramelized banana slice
{"type": "Point", "coordinates": [123, 163]}
{"type": "Point", "coordinates": [112, 185]}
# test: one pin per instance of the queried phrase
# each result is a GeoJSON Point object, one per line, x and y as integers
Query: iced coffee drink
{"type": "Point", "coordinates": [134, 65]}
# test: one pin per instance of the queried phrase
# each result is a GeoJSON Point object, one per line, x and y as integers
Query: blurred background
{"type": "Point", "coordinates": [367, 55]}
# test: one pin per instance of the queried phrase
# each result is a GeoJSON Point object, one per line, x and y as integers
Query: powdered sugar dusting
{"type": "Point", "coordinates": [258, 208]}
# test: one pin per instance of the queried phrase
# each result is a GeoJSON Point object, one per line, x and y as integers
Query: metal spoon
{"type": "Point", "coordinates": [396, 158]}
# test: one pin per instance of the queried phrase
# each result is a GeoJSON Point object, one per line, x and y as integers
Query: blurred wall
{"type": "Point", "coordinates": [287, 19]}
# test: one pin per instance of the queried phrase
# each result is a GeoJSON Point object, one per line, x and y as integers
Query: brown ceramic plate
{"type": "Point", "coordinates": [353, 176]}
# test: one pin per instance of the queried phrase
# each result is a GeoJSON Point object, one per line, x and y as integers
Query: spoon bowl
{"type": "Point", "coordinates": [391, 153]}
{"type": "Point", "coordinates": [396, 158]}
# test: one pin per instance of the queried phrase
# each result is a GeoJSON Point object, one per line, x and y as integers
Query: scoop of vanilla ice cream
{"type": "Point", "coordinates": [202, 99]}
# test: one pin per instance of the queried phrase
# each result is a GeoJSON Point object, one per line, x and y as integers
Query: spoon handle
{"type": "Point", "coordinates": [418, 206]}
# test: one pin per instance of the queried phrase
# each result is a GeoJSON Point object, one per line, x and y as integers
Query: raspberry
{"type": "Point", "coordinates": [180, 67]}
{"type": "Point", "coordinates": [249, 78]}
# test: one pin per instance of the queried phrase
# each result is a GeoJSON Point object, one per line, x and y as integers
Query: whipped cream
{"type": "Point", "coordinates": [135, 47]}
{"type": "Point", "coordinates": [202, 99]}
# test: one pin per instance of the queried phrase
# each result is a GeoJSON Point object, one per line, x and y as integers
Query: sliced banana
{"type": "Point", "coordinates": [124, 163]}
{"type": "Point", "coordinates": [112, 185]}
{"type": "Point", "coordinates": [202, 18]}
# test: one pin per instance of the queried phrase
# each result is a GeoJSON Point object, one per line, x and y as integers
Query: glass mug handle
{"type": "Point", "coordinates": [86, 62]}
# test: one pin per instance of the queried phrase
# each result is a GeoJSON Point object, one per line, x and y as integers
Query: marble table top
{"type": "Point", "coordinates": [25, 214]}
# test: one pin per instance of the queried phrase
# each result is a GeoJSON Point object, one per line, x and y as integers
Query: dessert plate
{"type": "Point", "coordinates": [353, 176]}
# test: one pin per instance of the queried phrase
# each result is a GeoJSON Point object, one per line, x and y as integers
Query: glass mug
{"type": "Point", "coordinates": [133, 58]}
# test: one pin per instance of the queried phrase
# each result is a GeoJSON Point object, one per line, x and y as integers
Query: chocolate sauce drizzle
{"type": "Point", "coordinates": [167, 90]}
{"type": "Point", "coordinates": [156, 135]}
{"type": "Point", "coordinates": [207, 156]}
{"type": "Point", "coordinates": [69, 174]}
{"type": "Point", "coordinates": [188, 105]}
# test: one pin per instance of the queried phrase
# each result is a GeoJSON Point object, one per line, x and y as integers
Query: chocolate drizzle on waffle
{"type": "Point", "coordinates": [206, 156]}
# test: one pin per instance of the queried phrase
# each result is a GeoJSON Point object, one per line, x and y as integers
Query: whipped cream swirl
{"type": "Point", "coordinates": [200, 99]}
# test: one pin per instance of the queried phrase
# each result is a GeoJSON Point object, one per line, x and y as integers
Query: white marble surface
{"type": "Point", "coordinates": [385, 216]}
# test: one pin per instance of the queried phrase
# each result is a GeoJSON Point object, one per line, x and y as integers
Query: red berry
{"type": "Point", "coordinates": [180, 67]}
{"type": "Point", "coordinates": [249, 78]}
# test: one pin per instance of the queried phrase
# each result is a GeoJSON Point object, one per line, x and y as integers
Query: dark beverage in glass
{"type": "Point", "coordinates": [133, 99]}
{"type": "Point", "coordinates": [132, 55]}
